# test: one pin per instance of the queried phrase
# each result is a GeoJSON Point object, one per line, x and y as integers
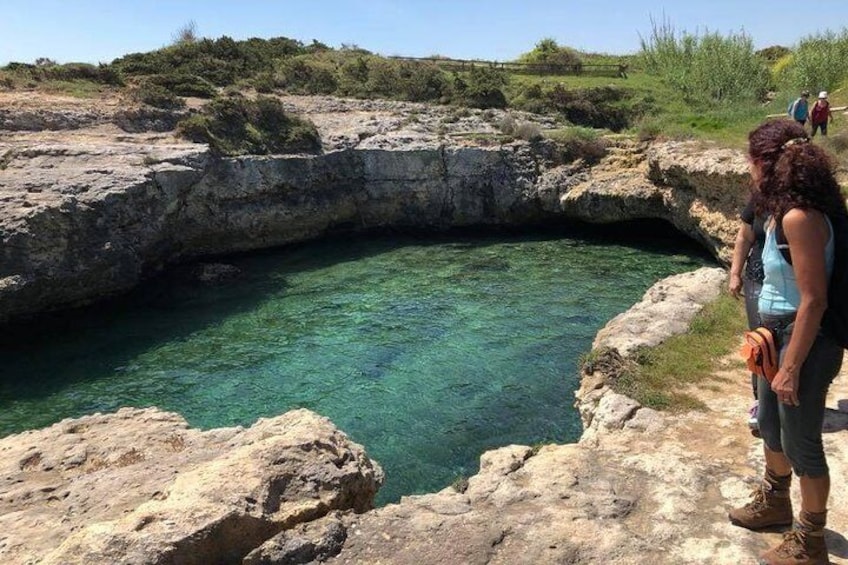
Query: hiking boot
{"type": "Point", "coordinates": [770, 505]}
{"type": "Point", "coordinates": [801, 546]}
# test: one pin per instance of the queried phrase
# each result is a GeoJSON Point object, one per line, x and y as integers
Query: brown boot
{"type": "Point", "coordinates": [804, 545]}
{"type": "Point", "coordinates": [770, 505]}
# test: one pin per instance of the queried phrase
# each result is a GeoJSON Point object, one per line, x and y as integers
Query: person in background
{"type": "Point", "coordinates": [820, 115]}
{"type": "Point", "coordinates": [747, 252]}
{"type": "Point", "coordinates": [794, 186]}
{"type": "Point", "coordinates": [799, 110]}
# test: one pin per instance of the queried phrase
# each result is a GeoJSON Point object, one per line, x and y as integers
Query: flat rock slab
{"type": "Point", "coordinates": [141, 486]}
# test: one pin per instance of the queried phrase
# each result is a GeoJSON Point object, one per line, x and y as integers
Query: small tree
{"type": "Point", "coordinates": [820, 62]}
{"type": "Point", "coordinates": [186, 35]}
{"type": "Point", "coordinates": [483, 88]}
{"type": "Point", "coordinates": [548, 53]}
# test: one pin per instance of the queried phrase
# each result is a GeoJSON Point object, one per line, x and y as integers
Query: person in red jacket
{"type": "Point", "coordinates": [821, 114]}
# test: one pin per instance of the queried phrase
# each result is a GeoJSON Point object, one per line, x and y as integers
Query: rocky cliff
{"type": "Point", "coordinates": [95, 201]}
{"type": "Point", "coordinates": [90, 211]}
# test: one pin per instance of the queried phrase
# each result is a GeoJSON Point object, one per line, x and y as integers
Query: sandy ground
{"type": "Point", "coordinates": [722, 436]}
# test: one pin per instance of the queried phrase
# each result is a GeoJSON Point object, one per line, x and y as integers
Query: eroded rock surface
{"type": "Point", "coordinates": [90, 211]}
{"type": "Point", "coordinates": [141, 486]}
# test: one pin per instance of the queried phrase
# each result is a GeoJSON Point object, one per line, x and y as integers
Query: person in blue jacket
{"type": "Point", "coordinates": [800, 109]}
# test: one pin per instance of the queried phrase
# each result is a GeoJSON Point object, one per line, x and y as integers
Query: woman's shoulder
{"type": "Point", "coordinates": [805, 219]}
{"type": "Point", "coordinates": [801, 215]}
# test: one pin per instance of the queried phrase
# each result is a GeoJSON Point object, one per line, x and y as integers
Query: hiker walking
{"type": "Point", "coordinates": [820, 115]}
{"type": "Point", "coordinates": [747, 254]}
{"type": "Point", "coordinates": [799, 109]}
{"type": "Point", "coordinates": [795, 187]}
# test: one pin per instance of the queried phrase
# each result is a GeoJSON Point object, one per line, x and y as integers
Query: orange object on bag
{"type": "Point", "coordinates": [760, 353]}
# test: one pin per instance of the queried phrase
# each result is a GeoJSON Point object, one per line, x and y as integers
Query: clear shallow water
{"type": "Point", "coordinates": [426, 352]}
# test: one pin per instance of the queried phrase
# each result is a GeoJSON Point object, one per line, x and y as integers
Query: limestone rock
{"type": "Point", "coordinates": [91, 212]}
{"type": "Point", "coordinates": [140, 486]}
{"type": "Point", "coordinates": [666, 309]}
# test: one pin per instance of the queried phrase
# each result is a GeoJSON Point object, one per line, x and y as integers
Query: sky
{"type": "Point", "coordinates": [94, 31]}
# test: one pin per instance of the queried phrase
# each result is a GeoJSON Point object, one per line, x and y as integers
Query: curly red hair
{"type": "Point", "coordinates": [793, 171]}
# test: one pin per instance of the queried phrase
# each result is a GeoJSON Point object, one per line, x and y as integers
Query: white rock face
{"type": "Point", "coordinates": [140, 486]}
{"type": "Point", "coordinates": [666, 309]}
{"type": "Point", "coordinates": [87, 212]}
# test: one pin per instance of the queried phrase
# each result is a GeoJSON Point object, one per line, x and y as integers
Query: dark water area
{"type": "Point", "coordinates": [427, 351]}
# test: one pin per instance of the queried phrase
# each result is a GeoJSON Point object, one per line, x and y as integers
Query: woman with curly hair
{"type": "Point", "coordinates": [795, 188]}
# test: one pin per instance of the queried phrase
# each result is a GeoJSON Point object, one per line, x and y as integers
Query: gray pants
{"type": "Point", "coordinates": [797, 430]}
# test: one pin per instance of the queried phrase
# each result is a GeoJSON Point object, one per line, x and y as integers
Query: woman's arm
{"type": "Point", "coordinates": [744, 241]}
{"type": "Point", "coordinates": [807, 233]}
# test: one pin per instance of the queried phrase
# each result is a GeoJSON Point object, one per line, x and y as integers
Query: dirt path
{"type": "Point", "coordinates": [722, 436]}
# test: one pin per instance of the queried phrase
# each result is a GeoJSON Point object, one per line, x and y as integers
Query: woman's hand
{"type": "Point", "coordinates": [785, 386]}
{"type": "Point", "coordinates": [734, 285]}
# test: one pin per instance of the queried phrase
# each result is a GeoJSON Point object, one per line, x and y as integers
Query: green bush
{"type": "Point", "coordinates": [263, 83]}
{"type": "Point", "coordinates": [157, 96]}
{"type": "Point", "coordinates": [820, 62]}
{"type": "Point", "coordinates": [306, 74]}
{"type": "Point", "coordinates": [383, 77]}
{"type": "Point", "coordinates": [548, 55]}
{"type": "Point", "coordinates": [606, 107]}
{"type": "Point", "coordinates": [235, 125]}
{"type": "Point", "coordinates": [578, 143]}
{"type": "Point", "coordinates": [221, 61]}
{"type": "Point", "coordinates": [706, 68]}
{"type": "Point", "coordinates": [47, 70]}
{"type": "Point", "coordinates": [774, 53]}
{"type": "Point", "coordinates": [353, 76]}
{"type": "Point", "coordinates": [421, 82]}
{"type": "Point", "coordinates": [482, 87]}
{"type": "Point", "coordinates": [184, 85]}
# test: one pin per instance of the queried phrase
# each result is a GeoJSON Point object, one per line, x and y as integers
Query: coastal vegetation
{"type": "Point", "coordinates": [679, 84]}
{"type": "Point", "coordinates": [234, 125]}
{"type": "Point", "coordinates": [663, 377]}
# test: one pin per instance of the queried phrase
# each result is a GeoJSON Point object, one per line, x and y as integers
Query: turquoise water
{"type": "Point", "coordinates": [427, 352]}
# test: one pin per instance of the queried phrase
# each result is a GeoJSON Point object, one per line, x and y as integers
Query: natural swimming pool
{"type": "Point", "coordinates": [426, 351]}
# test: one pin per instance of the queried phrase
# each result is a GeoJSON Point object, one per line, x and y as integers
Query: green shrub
{"type": "Point", "coordinates": [353, 76]}
{"type": "Point", "coordinates": [507, 125]}
{"type": "Point", "coordinates": [263, 83]}
{"type": "Point", "coordinates": [47, 70]}
{"type": "Point", "coordinates": [774, 53]}
{"type": "Point", "coordinates": [578, 143]}
{"type": "Point", "coordinates": [221, 61]}
{"type": "Point", "coordinates": [236, 125]}
{"type": "Point", "coordinates": [182, 84]}
{"type": "Point", "coordinates": [528, 131]}
{"type": "Point", "coordinates": [483, 87]}
{"type": "Point", "coordinates": [157, 96]}
{"type": "Point", "coordinates": [548, 55]}
{"type": "Point", "coordinates": [306, 74]}
{"type": "Point", "coordinates": [602, 107]}
{"type": "Point", "coordinates": [421, 82]}
{"type": "Point", "coordinates": [383, 77]}
{"type": "Point", "coordinates": [706, 68]}
{"type": "Point", "coordinates": [820, 62]}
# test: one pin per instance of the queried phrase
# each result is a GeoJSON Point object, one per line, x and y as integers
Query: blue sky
{"type": "Point", "coordinates": [101, 30]}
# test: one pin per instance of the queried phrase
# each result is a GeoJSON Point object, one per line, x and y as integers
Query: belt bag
{"type": "Point", "coordinates": [760, 353]}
